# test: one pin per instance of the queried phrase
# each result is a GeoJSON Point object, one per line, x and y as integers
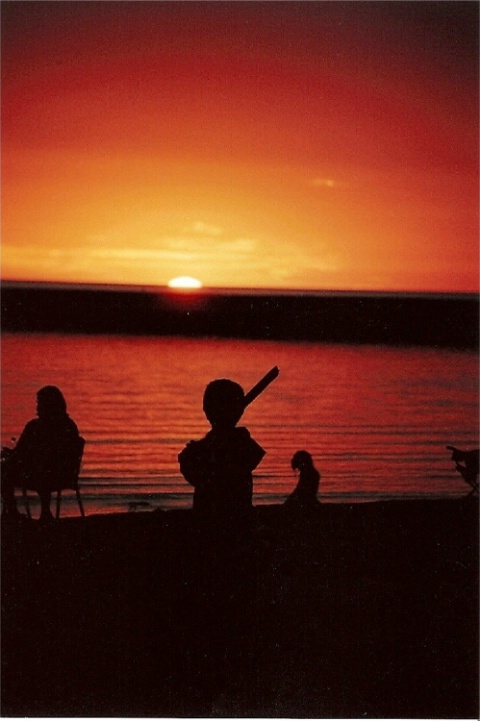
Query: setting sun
{"type": "Point", "coordinates": [184, 281]}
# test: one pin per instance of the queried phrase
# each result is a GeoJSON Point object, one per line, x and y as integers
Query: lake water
{"type": "Point", "coordinates": [375, 419]}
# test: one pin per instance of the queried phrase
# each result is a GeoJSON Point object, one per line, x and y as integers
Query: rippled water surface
{"type": "Point", "coordinates": [376, 419]}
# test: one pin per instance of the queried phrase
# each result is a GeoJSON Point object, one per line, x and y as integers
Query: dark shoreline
{"type": "Point", "coordinates": [368, 610]}
{"type": "Point", "coordinates": [405, 319]}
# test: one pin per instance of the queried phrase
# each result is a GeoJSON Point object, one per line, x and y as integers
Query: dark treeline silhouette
{"type": "Point", "coordinates": [400, 319]}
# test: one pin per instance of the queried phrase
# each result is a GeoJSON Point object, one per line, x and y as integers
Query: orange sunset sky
{"type": "Point", "coordinates": [300, 145]}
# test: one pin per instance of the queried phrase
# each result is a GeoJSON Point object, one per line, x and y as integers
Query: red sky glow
{"type": "Point", "coordinates": [301, 145]}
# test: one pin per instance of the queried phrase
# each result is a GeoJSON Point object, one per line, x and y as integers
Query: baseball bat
{"type": "Point", "coordinates": [261, 385]}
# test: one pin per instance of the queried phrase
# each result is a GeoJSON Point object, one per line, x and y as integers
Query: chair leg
{"type": "Point", "coordinates": [26, 502]}
{"type": "Point", "coordinates": [80, 504]}
{"type": "Point", "coordinates": [79, 499]}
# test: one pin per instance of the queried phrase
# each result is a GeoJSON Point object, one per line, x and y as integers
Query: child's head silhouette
{"type": "Point", "coordinates": [301, 459]}
{"type": "Point", "coordinates": [223, 403]}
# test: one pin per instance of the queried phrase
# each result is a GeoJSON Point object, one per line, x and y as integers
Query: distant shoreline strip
{"type": "Point", "coordinates": [405, 319]}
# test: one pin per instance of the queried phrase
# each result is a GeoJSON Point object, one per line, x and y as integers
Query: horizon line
{"type": "Point", "coordinates": [219, 290]}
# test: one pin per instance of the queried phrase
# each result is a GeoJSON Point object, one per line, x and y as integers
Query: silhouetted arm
{"type": "Point", "coordinates": [193, 463]}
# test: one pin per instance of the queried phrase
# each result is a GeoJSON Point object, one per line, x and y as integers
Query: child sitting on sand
{"type": "Point", "coordinates": [304, 497]}
{"type": "Point", "coordinates": [220, 465]}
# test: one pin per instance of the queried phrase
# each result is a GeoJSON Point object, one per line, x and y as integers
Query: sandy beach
{"type": "Point", "coordinates": [366, 610]}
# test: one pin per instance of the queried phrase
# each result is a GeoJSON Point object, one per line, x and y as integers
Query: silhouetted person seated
{"type": "Point", "coordinates": [220, 466]}
{"type": "Point", "coordinates": [467, 464]}
{"type": "Point", "coordinates": [304, 497]}
{"type": "Point", "coordinates": [40, 459]}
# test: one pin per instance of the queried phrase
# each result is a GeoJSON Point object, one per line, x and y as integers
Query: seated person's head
{"type": "Point", "coordinates": [50, 402]}
{"type": "Point", "coordinates": [301, 459]}
{"type": "Point", "coordinates": [223, 403]}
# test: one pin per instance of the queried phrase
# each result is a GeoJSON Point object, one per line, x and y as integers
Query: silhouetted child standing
{"type": "Point", "coordinates": [220, 466]}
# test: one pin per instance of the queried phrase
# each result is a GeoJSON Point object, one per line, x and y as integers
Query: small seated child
{"type": "Point", "coordinates": [220, 465]}
{"type": "Point", "coordinates": [304, 496]}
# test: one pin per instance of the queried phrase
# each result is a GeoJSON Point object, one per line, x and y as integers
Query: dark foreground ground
{"type": "Point", "coordinates": [365, 611]}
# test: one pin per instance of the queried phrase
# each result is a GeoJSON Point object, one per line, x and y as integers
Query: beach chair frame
{"type": "Point", "coordinates": [71, 483]}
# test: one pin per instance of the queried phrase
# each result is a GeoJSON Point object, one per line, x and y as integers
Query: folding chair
{"type": "Point", "coordinates": [70, 479]}
{"type": "Point", "coordinates": [467, 464]}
